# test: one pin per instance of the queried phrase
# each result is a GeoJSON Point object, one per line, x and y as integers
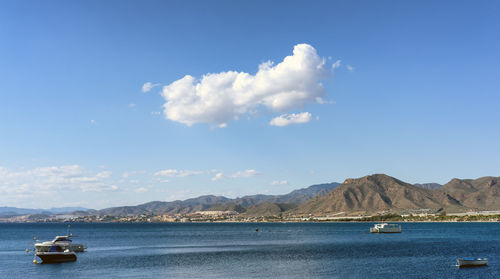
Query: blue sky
{"type": "Point", "coordinates": [408, 88]}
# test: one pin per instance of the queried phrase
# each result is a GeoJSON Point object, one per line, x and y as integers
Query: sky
{"type": "Point", "coordinates": [109, 103]}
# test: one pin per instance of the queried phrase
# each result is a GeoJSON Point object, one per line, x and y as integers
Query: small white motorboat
{"type": "Point", "coordinates": [386, 228]}
{"type": "Point", "coordinates": [63, 241]}
{"type": "Point", "coordinates": [56, 255]}
{"type": "Point", "coordinates": [471, 262]}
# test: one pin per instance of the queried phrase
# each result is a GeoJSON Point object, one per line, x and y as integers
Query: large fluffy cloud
{"type": "Point", "coordinates": [221, 97]}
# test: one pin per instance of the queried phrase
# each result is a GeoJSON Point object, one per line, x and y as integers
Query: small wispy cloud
{"type": "Point", "coordinates": [245, 173]}
{"type": "Point", "coordinates": [92, 122]}
{"type": "Point", "coordinates": [178, 173]}
{"type": "Point", "coordinates": [350, 68]}
{"type": "Point", "coordinates": [288, 119]}
{"type": "Point", "coordinates": [141, 190]}
{"type": "Point", "coordinates": [148, 86]}
{"type": "Point", "coordinates": [278, 182]}
{"type": "Point", "coordinates": [155, 113]}
{"type": "Point", "coordinates": [218, 176]}
{"type": "Point", "coordinates": [132, 173]}
{"type": "Point", "coordinates": [336, 64]}
{"type": "Point", "coordinates": [132, 105]}
{"type": "Point", "coordinates": [238, 174]}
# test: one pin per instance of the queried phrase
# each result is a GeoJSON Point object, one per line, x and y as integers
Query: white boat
{"type": "Point", "coordinates": [470, 262]}
{"type": "Point", "coordinates": [62, 241]}
{"type": "Point", "coordinates": [386, 228]}
{"type": "Point", "coordinates": [56, 254]}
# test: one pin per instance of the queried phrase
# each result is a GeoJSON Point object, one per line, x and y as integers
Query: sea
{"type": "Point", "coordinates": [238, 250]}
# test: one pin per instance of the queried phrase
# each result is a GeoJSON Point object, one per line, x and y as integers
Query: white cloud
{"type": "Point", "coordinates": [53, 179]}
{"type": "Point", "coordinates": [277, 182]}
{"type": "Point", "coordinates": [146, 87]}
{"type": "Point", "coordinates": [245, 173]}
{"type": "Point", "coordinates": [104, 174]}
{"type": "Point", "coordinates": [336, 64]}
{"type": "Point", "coordinates": [288, 119]}
{"type": "Point", "coordinates": [141, 190]}
{"type": "Point", "coordinates": [131, 105]}
{"type": "Point", "coordinates": [178, 173]}
{"type": "Point", "coordinates": [128, 174]}
{"type": "Point", "coordinates": [350, 68]}
{"type": "Point", "coordinates": [155, 113]}
{"type": "Point", "coordinates": [218, 176]}
{"type": "Point", "coordinates": [221, 97]}
{"type": "Point", "coordinates": [238, 174]}
{"type": "Point", "coordinates": [92, 121]}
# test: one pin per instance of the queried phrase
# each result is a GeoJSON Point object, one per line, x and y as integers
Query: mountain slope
{"type": "Point", "coordinates": [482, 193]}
{"type": "Point", "coordinates": [372, 193]}
{"type": "Point", "coordinates": [268, 209]}
{"type": "Point", "coordinates": [430, 186]}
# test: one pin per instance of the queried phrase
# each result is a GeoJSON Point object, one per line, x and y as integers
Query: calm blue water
{"type": "Point", "coordinates": [284, 250]}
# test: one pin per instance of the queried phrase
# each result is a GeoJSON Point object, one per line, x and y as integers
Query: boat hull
{"type": "Point", "coordinates": [375, 230]}
{"type": "Point", "coordinates": [472, 262]}
{"type": "Point", "coordinates": [56, 257]}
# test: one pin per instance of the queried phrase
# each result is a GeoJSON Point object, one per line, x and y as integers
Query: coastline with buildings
{"type": "Point", "coordinates": [233, 216]}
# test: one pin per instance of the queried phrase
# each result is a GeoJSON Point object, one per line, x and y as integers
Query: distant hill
{"type": "Point", "coordinates": [228, 207]}
{"type": "Point", "coordinates": [268, 209]}
{"type": "Point", "coordinates": [380, 192]}
{"type": "Point", "coordinates": [209, 202]}
{"type": "Point", "coordinates": [482, 193]}
{"type": "Point", "coordinates": [14, 211]}
{"type": "Point", "coordinates": [174, 207]}
{"type": "Point", "coordinates": [302, 195]}
{"type": "Point", "coordinates": [430, 186]}
{"type": "Point", "coordinates": [372, 193]}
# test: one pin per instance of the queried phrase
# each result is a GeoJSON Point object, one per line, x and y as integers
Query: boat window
{"type": "Point", "coordinates": [62, 239]}
{"type": "Point", "coordinates": [55, 248]}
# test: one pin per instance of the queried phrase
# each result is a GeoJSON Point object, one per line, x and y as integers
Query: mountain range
{"type": "Point", "coordinates": [380, 192]}
{"type": "Point", "coordinates": [211, 202]}
{"type": "Point", "coordinates": [366, 195]}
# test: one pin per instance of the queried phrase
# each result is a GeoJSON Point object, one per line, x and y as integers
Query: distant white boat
{"type": "Point", "coordinates": [471, 262]}
{"type": "Point", "coordinates": [386, 228]}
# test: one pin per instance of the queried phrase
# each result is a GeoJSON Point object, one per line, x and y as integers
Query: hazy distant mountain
{"type": "Point", "coordinates": [13, 211]}
{"type": "Point", "coordinates": [174, 207]}
{"type": "Point", "coordinates": [302, 195]}
{"type": "Point", "coordinates": [268, 209]}
{"type": "Point", "coordinates": [228, 207]}
{"type": "Point", "coordinates": [430, 186]}
{"type": "Point", "coordinates": [209, 202]}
